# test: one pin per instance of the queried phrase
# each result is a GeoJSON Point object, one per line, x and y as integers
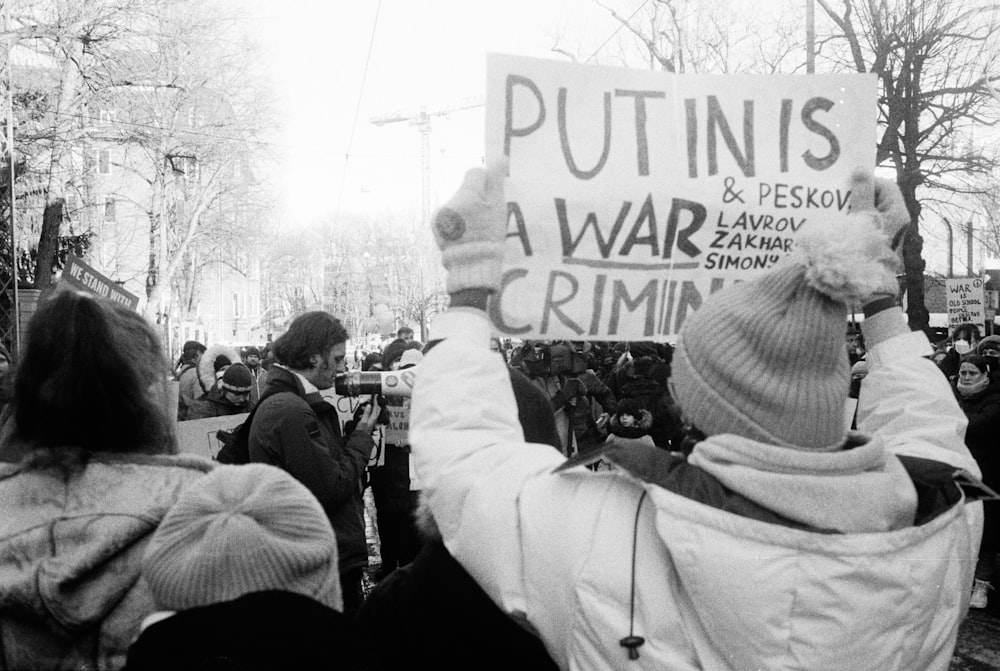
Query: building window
{"type": "Point", "coordinates": [236, 304]}
{"type": "Point", "coordinates": [109, 209]}
{"type": "Point", "coordinates": [104, 162]}
{"type": "Point", "coordinates": [108, 115]}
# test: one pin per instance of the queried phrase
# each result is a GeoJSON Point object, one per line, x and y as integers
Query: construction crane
{"type": "Point", "coordinates": [421, 118]}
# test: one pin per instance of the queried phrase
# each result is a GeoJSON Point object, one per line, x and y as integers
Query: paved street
{"type": "Point", "coordinates": [978, 646]}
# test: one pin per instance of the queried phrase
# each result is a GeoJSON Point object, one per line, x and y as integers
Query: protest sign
{"type": "Point", "coordinates": [345, 405]}
{"type": "Point", "coordinates": [966, 302]}
{"type": "Point", "coordinates": [633, 195]}
{"type": "Point", "coordinates": [198, 436]}
{"type": "Point", "coordinates": [79, 275]}
{"type": "Point", "coordinates": [398, 431]}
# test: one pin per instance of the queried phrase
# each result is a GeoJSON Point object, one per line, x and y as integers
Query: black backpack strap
{"type": "Point", "coordinates": [236, 449]}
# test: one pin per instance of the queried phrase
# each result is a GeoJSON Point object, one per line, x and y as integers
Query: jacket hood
{"type": "Point", "coordinates": [206, 365]}
{"type": "Point", "coordinates": [863, 487]}
{"type": "Point", "coordinates": [71, 543]}
{"type": "Point", "coordinates": [642, 426]}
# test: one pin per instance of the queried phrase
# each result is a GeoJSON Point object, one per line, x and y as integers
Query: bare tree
{"type": "Point", "coordinates": [930, 57]}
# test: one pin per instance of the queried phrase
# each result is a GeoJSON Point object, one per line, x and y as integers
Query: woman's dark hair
{"type": "Point", "coordinates": [93, 376]}
{"type": "Point", "coordinates": [310, 333]}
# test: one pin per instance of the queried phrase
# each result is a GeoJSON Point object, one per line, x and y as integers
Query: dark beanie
{"type": "Point", "coordinates": [237, 378]}
{"type": "Point", "coordinates": [221, 362]}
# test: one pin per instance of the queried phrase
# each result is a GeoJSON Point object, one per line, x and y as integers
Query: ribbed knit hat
{"type": "Point", "coordinates": [765, 359]}
{"type": "Point", "coordinates": [242, 529]}
{"type": "Point", "coordinates": [237, 378]}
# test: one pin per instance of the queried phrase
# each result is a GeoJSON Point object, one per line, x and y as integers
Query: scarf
{"type": "Point", "coordinates": [974, 388]}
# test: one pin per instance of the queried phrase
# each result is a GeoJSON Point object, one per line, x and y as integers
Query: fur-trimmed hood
{"type": "Point", "coordinates": [644, 422]}
{"type": "Point", "coordinates": [206, 365]}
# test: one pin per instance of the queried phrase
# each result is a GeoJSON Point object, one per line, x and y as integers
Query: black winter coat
{"type": "Point", "coordinates": [300, 434]}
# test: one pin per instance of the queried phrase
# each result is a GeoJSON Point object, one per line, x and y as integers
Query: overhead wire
{"type": "Point", "coordinates": [617, 30]}
{"type": "Point", "coordinates": [357, 112]}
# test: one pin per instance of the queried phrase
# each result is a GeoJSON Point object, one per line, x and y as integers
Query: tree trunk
{"type": "Point", "coordinates": [913, 261]}
{"type": "Point", "coordinates": [48, 241]}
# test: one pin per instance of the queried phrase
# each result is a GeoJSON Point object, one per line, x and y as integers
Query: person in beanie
{"type": "Point", "coordinates": [230, 395]}
{"type": "Point", "coordinates": [252, 359]}
{"type": "Point", "coordinates": [244, 568]}
{"type": "Point", "coordinates": [989, 349]}
{"type": "Point", "coordinates": [782, 542]}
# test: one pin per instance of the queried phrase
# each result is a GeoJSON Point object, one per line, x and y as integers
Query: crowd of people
{"type": "Point", "coordinates": [566, 504]}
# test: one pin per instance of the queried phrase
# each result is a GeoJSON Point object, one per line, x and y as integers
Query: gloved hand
{"type": "Point", "coordinates": [883, 198]}
{"type": "Point", "coordinates": [470, 230]}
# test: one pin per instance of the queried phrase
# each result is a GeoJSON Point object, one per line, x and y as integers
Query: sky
{"type": "Point", "coordinates": [429, 53]}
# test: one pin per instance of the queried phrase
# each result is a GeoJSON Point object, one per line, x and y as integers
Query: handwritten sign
{"type": "Point", "coordinates": [198, 436]}
{"type": "Point", "coordinates": [633, 195]}
{"type": "Point", "coordinates": [79, 275]}
{"type": "Point", "coordinates": [966, 302]}
{"type": "Point", "coordinates": [398, 431]}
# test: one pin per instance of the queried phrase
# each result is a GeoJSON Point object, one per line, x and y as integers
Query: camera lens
{"type": "Point", "coordinates": [356, 383]}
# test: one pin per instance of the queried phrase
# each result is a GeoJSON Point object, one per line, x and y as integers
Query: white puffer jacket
{"type": "Point", "coordinates": [712, 589]}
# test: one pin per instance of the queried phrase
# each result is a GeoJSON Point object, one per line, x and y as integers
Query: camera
{"type": "Point", "coordinates": [380, 383]}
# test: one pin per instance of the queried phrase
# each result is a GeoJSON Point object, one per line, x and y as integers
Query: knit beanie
{"type": "Point", "coordinates": [765, 359]}
{"type": "Point", "coordinates": [238, 530]}
{"type": "Point", "coordinates": [989, 342]}
{"type": "Point", "coordinates": [237, 378]}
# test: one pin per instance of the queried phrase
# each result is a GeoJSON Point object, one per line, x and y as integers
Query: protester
{"type": "Point", "coordinates": [190, 385]}
{"type": "Point", "coordinates": [979, 396]}
{"type": "Point", "coordinates": [630, 425]}
{"type": "Point", "coordinates": [644, 378]}
{"type": "Point", "coordinates": [989, 349]}
{"type": "Point", "coordinates": [295, 429]}
{"type": "Point", "coordinates": [394, 496]}
{"type": "Point", "coordinates": [90, 468]}
{"type": "Point", "coordinates": [783, 542]}
{"type": "Point", "coordinates": [252, 359]}
{"type": "Point", "coordinates": [406, 614]}
{"type": "Point", "coordinates": [244, 567]}
{"type": "Point", "coordinates": [230, 396]}
{"type": "Point", "coordinates": [213, 364]}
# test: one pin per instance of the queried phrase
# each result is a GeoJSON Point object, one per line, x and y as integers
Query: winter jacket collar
{"type": "Point", "coordinates": [861, 488]}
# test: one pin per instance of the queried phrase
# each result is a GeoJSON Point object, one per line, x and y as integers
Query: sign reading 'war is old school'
{"type": "Point", "coordinates": [633, 195]}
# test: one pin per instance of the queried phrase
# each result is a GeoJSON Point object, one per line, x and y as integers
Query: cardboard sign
{"type": "Point", "coordinates": [345, 405]}
{"type": "Point", "coordinates": [398, 431]}
{"type": "Point", "coordinates": [633, 195]}
{"type": "Point", "coordinates": [197, 436]}
{"type": "Point", "coordinates": [79, 275]}
{"type": "Point", "coordinates": [966, 302]}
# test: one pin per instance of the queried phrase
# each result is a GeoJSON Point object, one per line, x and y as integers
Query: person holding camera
{"type": "Point", "coordinates": [296, 430]}
{"type": "Point", "coordinates": [782, 541]}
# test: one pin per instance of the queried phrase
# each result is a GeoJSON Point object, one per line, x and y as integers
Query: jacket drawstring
{"type": "Point", "coordinates": [633, 642]}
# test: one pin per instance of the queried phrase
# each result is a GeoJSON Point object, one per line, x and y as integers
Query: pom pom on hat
{"type": "Point", "coordinates": [765, 359]}
{"type": "Point", "coordinates": [238, 530]}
